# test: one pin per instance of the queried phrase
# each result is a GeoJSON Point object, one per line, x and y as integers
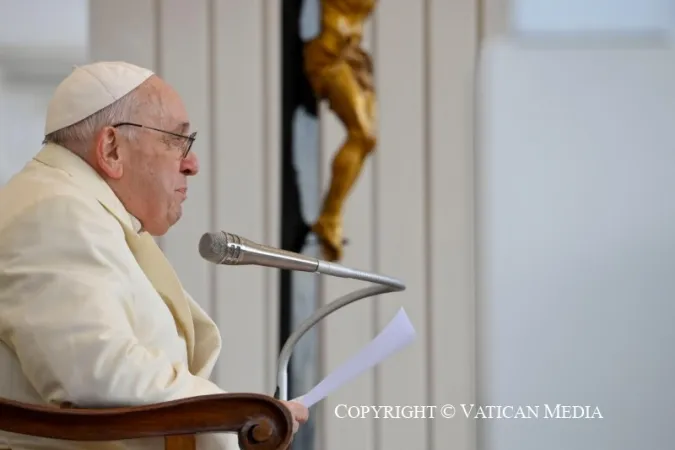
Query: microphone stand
{"type": "Point", "coordinates": [384, 285]}
{"type": "Point", "coordinates": [230, 249]}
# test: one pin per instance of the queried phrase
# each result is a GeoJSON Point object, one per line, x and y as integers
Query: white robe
{"type": "Point", "coordinates": [91, 312]}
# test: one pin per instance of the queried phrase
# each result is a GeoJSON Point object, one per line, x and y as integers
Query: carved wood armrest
{"type": "Point", "coordinates": [261, 421]}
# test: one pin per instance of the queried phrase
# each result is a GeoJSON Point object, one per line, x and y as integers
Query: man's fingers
{"type": "Point", "coordinates": [299, 412]}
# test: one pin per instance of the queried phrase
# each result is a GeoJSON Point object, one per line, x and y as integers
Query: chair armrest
{"type": "Point", "coordinates": [261, 421]}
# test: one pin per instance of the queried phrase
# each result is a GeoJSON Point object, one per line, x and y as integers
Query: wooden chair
{"type": "Point", "coordinates": [261, 422]}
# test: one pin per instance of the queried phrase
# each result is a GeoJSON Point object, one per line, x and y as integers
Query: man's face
{"type": "Point", "coordinates": [153, 171]}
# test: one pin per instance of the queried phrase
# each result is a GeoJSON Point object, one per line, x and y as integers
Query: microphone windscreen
{"type": "Point", "coordinates": [221, 248]}
{"type": "Point", "coordinates": [213, 247]}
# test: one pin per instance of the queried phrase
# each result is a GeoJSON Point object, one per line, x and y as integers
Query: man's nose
{"type": "Point", "coordinates": [190, 164]}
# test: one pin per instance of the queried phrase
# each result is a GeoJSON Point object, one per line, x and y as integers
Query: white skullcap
{"type": "Point", "coordinates": [89, 89]}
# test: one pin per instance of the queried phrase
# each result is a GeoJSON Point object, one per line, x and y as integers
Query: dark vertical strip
{"type": "Point", "coordinates": [298, 291]}
{"type": "Point", "coordinates": [289, 188]}
{"type": "Point", "coordinates": [294, 229]}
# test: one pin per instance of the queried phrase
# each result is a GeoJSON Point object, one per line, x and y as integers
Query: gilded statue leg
{"type": "Point", "coordinates": [355, 107]}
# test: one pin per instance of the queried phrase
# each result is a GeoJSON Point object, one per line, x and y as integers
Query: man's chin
{"type": "Point", "coordinates": [175, 216]}
{"type": "Point", "coordinates": [160, 229]}
{"type": "Point", "coordinates": [171, 219]}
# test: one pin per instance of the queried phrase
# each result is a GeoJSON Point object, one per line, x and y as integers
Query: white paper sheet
{"type": "Point", "coordinates": [394, 337]}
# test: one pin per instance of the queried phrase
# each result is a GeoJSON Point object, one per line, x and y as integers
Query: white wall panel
{"type": "Point", "coordinates": [576, 243]}
{"type": "Point", "coordinates": [240, 174]}
{"type": "Point", "coordinates": [400, 210]}
{"type": "Point", "coordinates": [124, 30]}
{"type": "Point", "coordinates": [493, 18]}
{"type": "Point", "coordinates": [451, 54]}
{"type": "Point", "coordinates": [185, 63]}
{"type": "Point", "coordinates": [272, 147]}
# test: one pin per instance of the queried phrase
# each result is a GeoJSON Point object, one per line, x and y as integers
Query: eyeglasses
{"type": "Point", "coordinates": [189, 139]}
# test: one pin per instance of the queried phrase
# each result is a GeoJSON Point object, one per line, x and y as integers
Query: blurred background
{"type": "Point", "coordinates": [521, 187]}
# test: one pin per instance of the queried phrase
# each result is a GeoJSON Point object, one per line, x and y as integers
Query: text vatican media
{"type": "Point", "coordinates": [469, 411]}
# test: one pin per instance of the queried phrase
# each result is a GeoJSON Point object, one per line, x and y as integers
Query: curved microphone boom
{"type": "Point", "coordinates": [230, 249]}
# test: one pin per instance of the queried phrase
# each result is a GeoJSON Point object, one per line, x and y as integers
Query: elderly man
{"type": "Point", "coordinates": [91, 312]}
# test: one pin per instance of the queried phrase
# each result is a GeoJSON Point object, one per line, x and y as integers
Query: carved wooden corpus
{"type": "Point", "coordinates": [341, 72]}
{"type": "Point", "coordinates": [262, 422]}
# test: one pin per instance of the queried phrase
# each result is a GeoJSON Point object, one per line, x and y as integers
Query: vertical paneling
{"type": "Point", "coordinates": [451, 55]}
{"type": "Point", "coordinates": [399, 211]}
{"type": "Point", "coordinates": [127, 30]}
{"type": "Point", "coordinates": [346, 331]}
{"type": "Point", "coordinates": [123, 30]}
{"type": "Point", "coordinates": [409, 215]}
{"type": "Point", "coordinates": [184, 63]}
{"type": "Point", "coordinates": [271, 104]}
{"type": "Point", "coordinates": [241, 187]}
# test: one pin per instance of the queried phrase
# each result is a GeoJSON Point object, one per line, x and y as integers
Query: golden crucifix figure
{"type": "Point", "coordinates": [340, 71]}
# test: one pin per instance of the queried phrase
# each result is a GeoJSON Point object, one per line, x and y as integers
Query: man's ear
{"type": "Point", "coordinates": [107, 153]}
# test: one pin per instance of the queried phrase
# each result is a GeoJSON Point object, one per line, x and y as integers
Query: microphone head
{"type": "Point", "coordinates": [221, 248]}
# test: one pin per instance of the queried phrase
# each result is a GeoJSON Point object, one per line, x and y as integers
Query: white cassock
{"type": "Point", "coordinates": [91, 312]}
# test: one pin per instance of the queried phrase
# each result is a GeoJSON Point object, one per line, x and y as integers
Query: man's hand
{"type": "Point", "coordinates": [299, 412]}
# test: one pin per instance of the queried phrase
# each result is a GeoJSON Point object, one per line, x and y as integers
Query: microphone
{"type": "Point", "coordinates": [229, 249]}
